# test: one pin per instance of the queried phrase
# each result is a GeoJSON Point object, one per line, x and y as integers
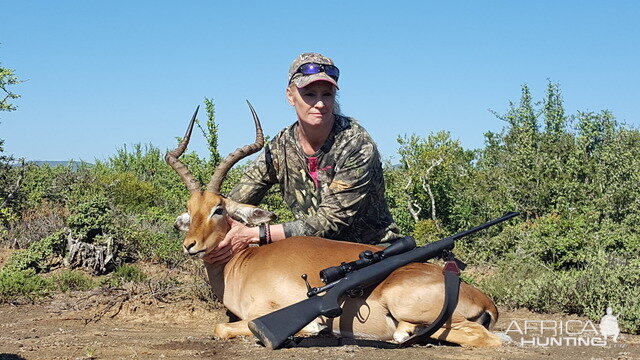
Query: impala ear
{"type": "Point", "coordinates": [183, 221]}
{"type": "Point", "coordinates": [248, 214]}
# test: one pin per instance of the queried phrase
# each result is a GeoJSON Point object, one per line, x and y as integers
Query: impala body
{"type": "Point", "coordinates": [259, 280]}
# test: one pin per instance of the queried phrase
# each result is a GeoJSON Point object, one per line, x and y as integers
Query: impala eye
{"type": "Point", "coordinates": [218, 211]}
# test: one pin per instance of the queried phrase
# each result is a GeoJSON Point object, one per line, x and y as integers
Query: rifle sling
{"type": "Point", "coordinates": [451, 291]}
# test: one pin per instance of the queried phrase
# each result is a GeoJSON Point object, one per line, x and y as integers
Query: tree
{"type": "Point", "coordinates": [432, 168]}
{"type": "Point", "coordinates": [211, 134]}
{"type": "Point", "coordinates": [529, 166]}
{"type": "Point", "coordinates": [7, 79]}
{"type": "Point", "coordinates": [10, 178]}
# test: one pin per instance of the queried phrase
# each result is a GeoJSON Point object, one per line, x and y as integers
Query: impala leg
{"type": "Point", "coordinates": [313, 328]}
{"type": "Point", "coordinates": [467, 333]}
{"type": "Point", "coordinates": [231, 330]}
{"type": "Point", "coordinates": [403, 331]}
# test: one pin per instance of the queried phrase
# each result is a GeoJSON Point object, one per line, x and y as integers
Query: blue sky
{"type": "Point", "coordinates": [104, 74]}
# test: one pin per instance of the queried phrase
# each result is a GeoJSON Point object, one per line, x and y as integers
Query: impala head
{"type": "Point", "coordinates": [207, 218]}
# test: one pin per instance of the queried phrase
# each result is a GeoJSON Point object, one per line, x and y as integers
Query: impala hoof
{"type": "Point", "coordinates": [400, 336]}
{"type": "Point", "coordinates": [503, 337]}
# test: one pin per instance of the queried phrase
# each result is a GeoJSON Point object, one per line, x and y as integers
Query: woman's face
{"type": "Point", "coordinates": [314, 103]}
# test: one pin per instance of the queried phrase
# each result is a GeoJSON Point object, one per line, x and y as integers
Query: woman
{"type": "Point", "coordinates": [328, 168]}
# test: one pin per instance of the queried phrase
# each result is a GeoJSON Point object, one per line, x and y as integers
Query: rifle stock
{"type": "Point", "coordinates": [275, 328]}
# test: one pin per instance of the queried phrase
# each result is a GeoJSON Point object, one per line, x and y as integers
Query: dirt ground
{"type": "Point", "coordinates": [57, 329]}
{"type": "Point", "coordinates": [115, 325]}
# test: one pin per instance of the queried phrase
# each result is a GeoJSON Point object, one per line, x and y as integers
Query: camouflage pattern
{"type": "Point", "coordinates": [303, 80]}
{"type": "Point", "coordinates": [346, 203]}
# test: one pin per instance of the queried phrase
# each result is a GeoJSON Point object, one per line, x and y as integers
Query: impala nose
{"type": "Point", "coordinates": [188, 247]}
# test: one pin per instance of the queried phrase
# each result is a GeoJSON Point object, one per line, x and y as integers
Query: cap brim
{"type": "Point", "coordinates": [304, 80]}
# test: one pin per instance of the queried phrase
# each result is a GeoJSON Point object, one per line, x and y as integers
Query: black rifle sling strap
{"type": "Point", "coordinates": [451, 291]}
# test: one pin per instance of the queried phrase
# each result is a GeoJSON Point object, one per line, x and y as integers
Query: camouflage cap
{"type": "Point", "coordinates": [302, 80]}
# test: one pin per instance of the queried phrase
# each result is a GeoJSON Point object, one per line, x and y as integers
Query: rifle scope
{"type": "Point", "coordinates": [367, 258]}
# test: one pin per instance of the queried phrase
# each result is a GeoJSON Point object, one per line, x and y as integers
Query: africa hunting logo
{"type": "Point", "coordinates": [564, 333]}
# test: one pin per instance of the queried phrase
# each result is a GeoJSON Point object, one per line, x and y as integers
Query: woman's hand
{"type": "Point", "coordinates": [238, 238]}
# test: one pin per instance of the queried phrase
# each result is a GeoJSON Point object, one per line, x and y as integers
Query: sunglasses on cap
{"type": "Point", "coordinates": [315, 68]}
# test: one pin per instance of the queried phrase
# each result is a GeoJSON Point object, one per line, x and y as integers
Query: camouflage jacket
{"type": "Point", "coordinates": [337, 193]}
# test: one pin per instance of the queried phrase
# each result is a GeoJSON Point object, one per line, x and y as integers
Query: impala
{"type": "Point", "coordinates": [259, 280]}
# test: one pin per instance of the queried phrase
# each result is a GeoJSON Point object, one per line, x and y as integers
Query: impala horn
{"type": "Point", "coordinates": [172, 159]}
{"type": "Point", "coordinates": [240, 153]}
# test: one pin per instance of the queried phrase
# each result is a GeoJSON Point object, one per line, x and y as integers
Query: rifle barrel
{"type": "Point", "coordinates": [504, 217]}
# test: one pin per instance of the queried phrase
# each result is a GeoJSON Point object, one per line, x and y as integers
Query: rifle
{"type": "Point", "coordinates": [275, 328]}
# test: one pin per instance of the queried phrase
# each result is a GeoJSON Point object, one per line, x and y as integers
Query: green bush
{"type": "Point", "coordinates": [23, 284]}
{"type": "Point", "coordinates": [129, 273]}
{"type": "Point", "coordinates": [12, 198]}
{"type": "Point", "coordinates": [18, 278]}
{"type": "Point", "coordinates": [51, 183]}
{"type": "Point", "coordinates": [7, 216]}
{"type": "Point", "coordinates": [126, 190]}
{"type": "Point", "coordinates": [558, 241]}
{"type": "Point", "coordinates": [157, 215]}
{"type": "Point", "coordinates": [40, 255]}
{"type": "Point", "coordinates": [164, 248]}
{"type": "Point", "coordinates": [90, 216]}
{"type": "Point", "coordinates": [36, 222]}
{"type": "Point", "coordinates": [426, 231]}
{"type": "Point", "coordinates": [604, 281]}
{"type": "Point", "coordinates": [397, 198]}
{"type": "Point", "coordinates": [611, 280]}
{"type": "Point", "coordinates": [528, 283]}
{"type": "Point", "coordinates": [148, 165]}
{"type": "Point", "coordinates": [73, 280]}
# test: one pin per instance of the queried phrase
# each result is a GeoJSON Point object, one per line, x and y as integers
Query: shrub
{"type": "Point", "coordinates": [611, 280]}
{"type": "Point", "coordinates": [148, 165]}
{"type": "Point", "coordinates": [23, 284]}
{"type": "Point", "coordinates": [129, 273]}
{"type": "Point", "coordinates": [604, 281]}
{"type": "Point", "coordinates": [50, 183]}
{"type": "Point", "coordinates": [398, 197]}
{"type": "Point", "coordinates": [36, 223]}
{"type": "Point", "coordinates": [144, 238]}
{"type": "Point", "coordinates": [126, 190]}
{"type": "Point", "coordinates": [157, 215]}
{"type": "Point", "coordinates": [427, 231]}
{"type": "Point", "coordinates": [159, 247]}
{"type": "Point", "coordinates": [73, 280]}
{"type": "Point", "coordinates": [11, 194]}
{"type": "Point", "coordinates": [89, 216]}
{"type": "Point", "coordinates": [40, 256]}
{"type": "Point", "coordinates": [7, 216]}
{"type": "Point", "coordinates": [558, 241]}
